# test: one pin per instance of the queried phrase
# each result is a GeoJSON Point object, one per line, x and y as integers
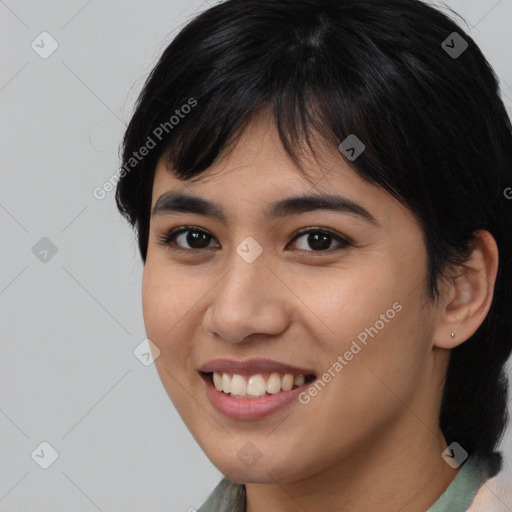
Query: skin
{"type": "Point", "coordinates": [370, 438]}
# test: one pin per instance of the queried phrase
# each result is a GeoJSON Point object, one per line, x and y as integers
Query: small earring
{"type": "Point", "coordinates": [452, 335]}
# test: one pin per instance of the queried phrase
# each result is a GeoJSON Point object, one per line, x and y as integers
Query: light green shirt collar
{"type": "Point", "coordinates": [461, 492]}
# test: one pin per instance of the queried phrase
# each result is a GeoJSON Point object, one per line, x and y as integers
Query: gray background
{"type": "Point", "coordinates": [69, 325]}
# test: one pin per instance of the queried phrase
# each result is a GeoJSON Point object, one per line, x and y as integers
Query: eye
{"type": "Point", "coordinates": [196, 238]}
{"type": "Point", "coordinates": [319, 239]}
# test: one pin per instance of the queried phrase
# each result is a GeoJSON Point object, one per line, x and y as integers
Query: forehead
{"type": "Point", "coordinates": [257, 171]}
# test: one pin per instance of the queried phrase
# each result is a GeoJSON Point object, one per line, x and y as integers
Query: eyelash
{"type": "Point", "coordinates": [170, 237]}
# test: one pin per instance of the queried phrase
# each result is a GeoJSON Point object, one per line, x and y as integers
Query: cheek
{"type": "Point", "coordinates": [155, 300]}
{"type": "Point", "coordinates": [165, 308]}
{"type": "Point", "coordinates": [348, 302]}
{"type": "Point", "coordinates": [166, 300]}
{"type": "Point", "coordinates": [375, 318]}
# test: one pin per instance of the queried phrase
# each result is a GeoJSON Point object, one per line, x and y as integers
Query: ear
{"type": "Point", "coordinates": [468, 293]}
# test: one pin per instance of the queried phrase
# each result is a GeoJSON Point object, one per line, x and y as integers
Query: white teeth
{"type": "Point", "coordinates": [238, 385]}
{"type": "Point", "coordinates": [226, 382]}
{"type": "Point", "coordinates": [274, 383]}
{"type": "Point", "coordinates": [217, 380]}
{"type": "Point", "coordinates": [287, 383]}
{"type": "Point", "coordinates": [255, 385]}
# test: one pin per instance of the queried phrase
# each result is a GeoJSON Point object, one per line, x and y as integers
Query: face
{"type": "Point", "coordinates": [331, 302]}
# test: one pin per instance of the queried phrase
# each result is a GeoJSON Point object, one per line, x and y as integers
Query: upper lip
{"type": "Point", "coordinates": [250, 367]}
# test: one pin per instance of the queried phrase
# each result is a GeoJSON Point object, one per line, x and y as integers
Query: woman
{"type": "Point", "coordinates": [361, 374]}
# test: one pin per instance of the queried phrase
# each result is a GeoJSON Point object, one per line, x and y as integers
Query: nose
{"type": "Point", "coordinates": [249, 300]}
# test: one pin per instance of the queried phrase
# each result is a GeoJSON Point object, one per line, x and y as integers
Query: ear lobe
{"type": "Point", "coordinates": [468, 295]}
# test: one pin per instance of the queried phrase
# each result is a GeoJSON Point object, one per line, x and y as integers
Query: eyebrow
{"type": "Point", "coordinates": [176, 202]}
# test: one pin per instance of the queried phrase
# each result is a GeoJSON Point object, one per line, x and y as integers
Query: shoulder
{"type": "Point", "coordinates": [493, 493]}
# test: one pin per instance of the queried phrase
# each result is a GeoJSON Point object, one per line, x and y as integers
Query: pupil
{"type": "Point", "coordinates": [319, 241]}
{"type": "Point", "coordinates": [195, 237]}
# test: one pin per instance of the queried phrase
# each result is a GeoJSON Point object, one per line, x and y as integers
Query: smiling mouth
{"type": "Point", "coordinates": [259, 385]}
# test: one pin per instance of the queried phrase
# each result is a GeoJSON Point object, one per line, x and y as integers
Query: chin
{"type": "Point", "coordinates": [269, 471]}
{"type": "Point", "coordinates": [261, 475]}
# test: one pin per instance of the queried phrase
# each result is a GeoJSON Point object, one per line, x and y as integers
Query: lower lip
{"type": "Point", "coordinates": [250, 408]}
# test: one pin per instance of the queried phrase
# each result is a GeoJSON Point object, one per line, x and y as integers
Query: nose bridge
{"type": "Point", "coordinates": [246, 300]}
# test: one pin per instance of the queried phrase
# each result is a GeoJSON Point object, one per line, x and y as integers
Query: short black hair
{"type": "Point", "coordinates": [392, 72]}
